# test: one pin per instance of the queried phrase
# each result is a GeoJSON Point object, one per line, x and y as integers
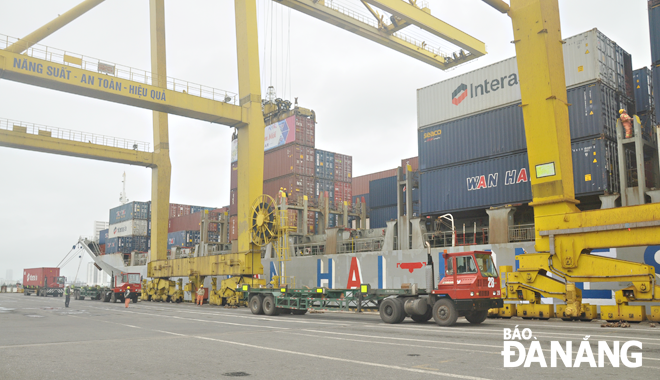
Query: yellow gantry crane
{"type": "Point", "coordinates": [24, 61]}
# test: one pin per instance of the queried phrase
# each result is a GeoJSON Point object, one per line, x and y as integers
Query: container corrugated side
{"type": "Point", "coordinates": [233, 228]}
{"type": "Point", "coordinates": [656, 85]}
{"type": "Point", "coordinates": [654, 29]}
{"type": "Point", "coordinates": [103, 236]}
{"type": "Point", "coordinates": [505, 180]}
{"type": "Point", "coordinates": [132, 210]}
{"type": "Point", "coordinates": [383, 192]}
{"type": "Point", "coordinates": [412, 161]}
{"type": "Point", "coordinates": [296, 187]}
{"type": "Point", "coordinates": [343, 167]}
{"type": "Point", "coordinates": [287, 160]}
{"type": "Point", "coordinates": [192, 222]}
{"type": "Point", "coordinates": [179, 210]}
{"type": "Point", "coordinates": [343, 193]}
{"type": "Point", "coordinates": [134, 227]}
{"type": "Point", "coordinates": [324, 185]}
{"type": "Point", "coordinates": [182, 239]}
{"type": "Point", "coordinates": [643, 81]}
{"type": "Point", "coordinates": [379, 216]}
{"type": "Point", "coordinates": [324, 164]}
{"type": "Point", "coordinates": [588, 57]}
{"type": "Point", "coordinates": [361, 183]}
{"type": "Point", "coordinates": [305, 131]}
{"type": "Point", "coordinates": [233, 202]}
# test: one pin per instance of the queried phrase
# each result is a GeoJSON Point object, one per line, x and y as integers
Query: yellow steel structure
{"type": "Point", "coordinates": [563, 232]}
{"type": "Point", "coordinates": [405, 13]}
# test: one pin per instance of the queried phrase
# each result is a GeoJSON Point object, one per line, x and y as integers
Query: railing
{"type": "Point", "coordinates": [362, 245]}
{"type": "Point", "coordinates": [439, 239]}
{"type": "Point", "coordinates": [71, 135]}
{"type": "Point", "coordinates": [369, 20]}
{"type": "Point", "coordinates": [115, 70]}
{"type": "Point", "coordinates": [523, 232]}
{"type": "Point", "coordinates": [309, 249]}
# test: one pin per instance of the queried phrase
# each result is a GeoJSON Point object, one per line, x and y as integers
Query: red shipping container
{"type": "Point", "coordinates": [343, 167]}
{"type": "Point", "coordinates": [179, 210]}
{"type": "Point", "coordinates": [102, 248]}
{"type": "Point", "coordinates": [361, 183]}
{"type": "Point", "coordinates": [305, 131]}
{"type": "Point", "coordinates": [192, 222]}
{"type": "Point", "coordinates": [233, 178]}
{"type": "Point", "coordinates": [233, 228]}
{"type": "Point", "coordinates": [36, 276]}
{"type": "Point", "coordinates": [343, 193]}
{"type": "Point", "coordinates": [413, 162]}
{"type": "Point", "coordinates": [233, 202]}
{"type": "Point", "coordinates": [296, 186]}
{"type": "Point", "coordinates": [289, 159]}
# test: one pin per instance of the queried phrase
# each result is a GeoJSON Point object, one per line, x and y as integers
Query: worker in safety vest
{"type": "Point", "coordinates": [281, 195]}
{"type": "Point", "coordinates": [127, 296]}
{"type": "Point", "coordinates": [200, 295]}
{"type": "Point", "coordinates": [626, 120]}
{"type": "Point", "coordinates": [67, 296]}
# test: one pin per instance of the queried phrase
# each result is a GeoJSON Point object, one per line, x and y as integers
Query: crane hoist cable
{"type": "Point", "coordinates": [65, 256]}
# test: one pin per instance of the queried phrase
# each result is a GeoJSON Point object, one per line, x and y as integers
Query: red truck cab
{"type": "Point", "coordinates": [121, 282]}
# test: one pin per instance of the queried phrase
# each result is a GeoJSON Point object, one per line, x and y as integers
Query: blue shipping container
{"type": "Point", "coordinates": [656, 84]}
{"type": "Point", "coordinates": [643, 81]}
{"type": "Point", "coordinates": [103, 236]}
{"type": "Point", "coordinates": [129, 211]}
{"type": "Point", "coordinates": [183, 239]}
{"type": "Point", "coordinates": [322, 185]}
{"type": "Point", "coordinates": [127, 244]}
{"type": "Point", "coordinates": [196, 209]}
{"type": "Point", "coordinates": [654, 29]}
{"type": "Point", "coordinates": [324, 165]}
{"type": "Point", "coordinates": [383, 192]}
{"type": "Point", "coordinates": [505, 180]}
{"type": "Point", "coordinates": [379, 216]}
{"type": "Point", "coordinates": [593, 112]}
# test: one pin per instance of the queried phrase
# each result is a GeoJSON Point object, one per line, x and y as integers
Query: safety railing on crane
{"type": "Point", "coordinates": [115, 70]}
{"type": "Point", "coordinates": [71, 135]}
{"type": "Point", "coordinates": [523, 232]}
{"type": "Point", "coordinates": [362, 245]}
{"type": "Point", "coordinates": [369, 20]}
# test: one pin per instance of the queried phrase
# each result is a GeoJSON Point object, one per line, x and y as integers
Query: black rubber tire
{"type": "Point", "coordinates": [423, 318]}
{"type": "Point", "coordinates": [444, 312]}
{"type": "Point", "coordinates": [81, 298]}
{"type": "Point", "coordinates": [285, 311]}
{"type": "Point", "coordinates": [113, 298]}
{"type": "Point", "coordinates": [298, 312]}
{"type": "Point", "coordinates": [476, 317]}
{"type": "Point", "coordinates": [269, 306]}
{"type": "Point", "coordinates": [256, 304]}
{"type": "Point", "coordinates": [391, 310]}
{"type": "Point", "coordinates": [134, 299]}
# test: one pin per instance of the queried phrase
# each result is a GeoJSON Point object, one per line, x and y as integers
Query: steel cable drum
{"type": "Point", "coordinates": [263, 228]}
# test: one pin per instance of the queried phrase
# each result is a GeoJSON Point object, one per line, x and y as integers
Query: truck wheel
{"type": "Point", "coordinates": [82, 298]}
{"type": "Point", "coordinates": [298, 312]}
{"type": "Point", "coordinates": [423, 318]}
{"type": "Point", "coordinates": [444, 312]}
{"type": "Point", "coordinates": [113, 298]}
{"type": "Point", "coordinates": [134, 299]}
{"type": "Point", "coordinates": [269, 306]}
{"type": "Point", "coordinates": [257, 304]}
{"type": "Point", "coordinates": [391, 310]}
{"type": "Point", "coordinates": [285, 311]}
{"type": "Point", "coordinates": [476, 317]}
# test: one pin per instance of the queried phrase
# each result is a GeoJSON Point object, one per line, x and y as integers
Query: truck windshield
{"type": "Point", "coordinates": [133, 278]}
{"type": "Point", "coordinates": [465, 265]}
{"type": "Point", "coordinates": [60, 280]}
{"type": "Point", "coordinates": [486, 266]}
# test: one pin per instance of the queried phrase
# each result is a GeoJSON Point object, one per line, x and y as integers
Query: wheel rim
{"type": "Point", "coordinates": [389, 310]}
{"type": "Point", "coordinates": [443, 313]}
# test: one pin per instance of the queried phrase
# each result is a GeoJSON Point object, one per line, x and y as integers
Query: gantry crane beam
{"type": "Point", "coordinates": [231, 264]}
{"type": "Point", "coordinates": [75, 80]}
{"type": "Point", "coordinates": [45, 144]}
{"type": "Point", "coordinates": [53, 26]}
{"type": "Point", "coordinates": [409, 13]}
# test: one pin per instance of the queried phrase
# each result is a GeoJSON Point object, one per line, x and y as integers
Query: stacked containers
{"type": "Point", "coordinates": [103, 237]}
{"type": "Point", "coordinates": [342, 187]}
{"type": "Point", "coordinates": [360, 185]}
{"type": "Point", "coordinates": [644, 101]}
{"type": "Point", "coordinates": [325, 165]}
{"type": "Point", "coordinates": [465, 123]}
{"type": "Point", "coordinates": [382, 201]}
{"type": "Point", "coordinates": [129, 228]}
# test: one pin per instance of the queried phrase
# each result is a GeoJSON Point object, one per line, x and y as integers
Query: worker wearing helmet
{"type": "Point", "coordinates": [200, 295]}
{"type": "Point", "coordinates": [626, 120]}
{"type": "Point", "coordinates": [127, 296]}
{"type": "Point", "coordinates": [67, 296]}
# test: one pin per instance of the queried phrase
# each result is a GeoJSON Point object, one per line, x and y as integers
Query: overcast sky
{"type": "Point", "coordinates": [363, 94]}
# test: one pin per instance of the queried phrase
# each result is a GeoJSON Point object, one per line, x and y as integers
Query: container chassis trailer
{"type": "Point", "coordinates": [91, 292]}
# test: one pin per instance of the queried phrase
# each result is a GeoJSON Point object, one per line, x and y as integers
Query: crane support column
{"type": "Point", "coordinates": [160, 175]}
{"type": "Point", "coordinates": [53, 26]}
{"type": "Point", "coordinates": [250, 136]}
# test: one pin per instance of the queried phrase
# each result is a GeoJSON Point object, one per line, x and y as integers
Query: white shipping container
{"type": "Point", "coordinates": [134, 227]}
{"type": "Point", "coordinates": [588, 57]}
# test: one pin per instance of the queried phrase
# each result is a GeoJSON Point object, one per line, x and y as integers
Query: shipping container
{"type": "Point", "coordinates": [588, 57]}
{"type": "Point", "coordinates": [184, 239]}
{"type": "Point", "coordinates": [233, 176]}
{"type": "Point", "coordinates": [41, 277]}
{"type": "Point", "coordinates": [296, 187]}
{"type": "Point", "coordinates": [111, 245]}
{"type": "Point", "coordinates": [103, 236]}
{"type": "Point", "coordinates": [643, 81]}
{"type": "Point", "coordinates": [294, 129]}
{"type": "Point", "coordinates": [413, 162]}
{"type": "Point", "coordinates": [654, 29]}
{"type": "Point", "coordinates": [324, 165]}
{"type": "Point", "coordinates": [343, 168]}
{"type": "Point", "coordinates": [129, 211]}
{"type": "Point", "coordinates": [379, 216]}
{"type": "Point", "coordinates": [656, 84]}
{"type": "Point", "coordinates": [179, 210]}
{"type": "Point", "coordinates": [361, 183]}
{"type": "Point", "coordinates": [383, 192]}
{"type": "Point", "coordinates": [290, 159]}
{"type": "Point", "coordinates": [133, 227]}
{"type": "Point", "coordinates": [127, 244]}
{"type": "Point", "coordinates": [193, 222]}
{"type": "Point", "coordinates": [324, 185]}
{"type": "Point", "coordinates": [343, 193]}
{"type": "Point", "coordinates": [305, 131]}
{"type": "Point", "coordinates": [233, 228]}
{"type": "Point", "coordinates": [332, 220]}
{"type": "Point", "coordinates": [196, 209]}
{"type": "Point", "coordinates": [505, 180]}
{"type": "Point", "coordinates": [102, 249]}
{"type": "Point", "coordinates": [233, 202]}
{"type": "Point", "coordinates": [593, 111]}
